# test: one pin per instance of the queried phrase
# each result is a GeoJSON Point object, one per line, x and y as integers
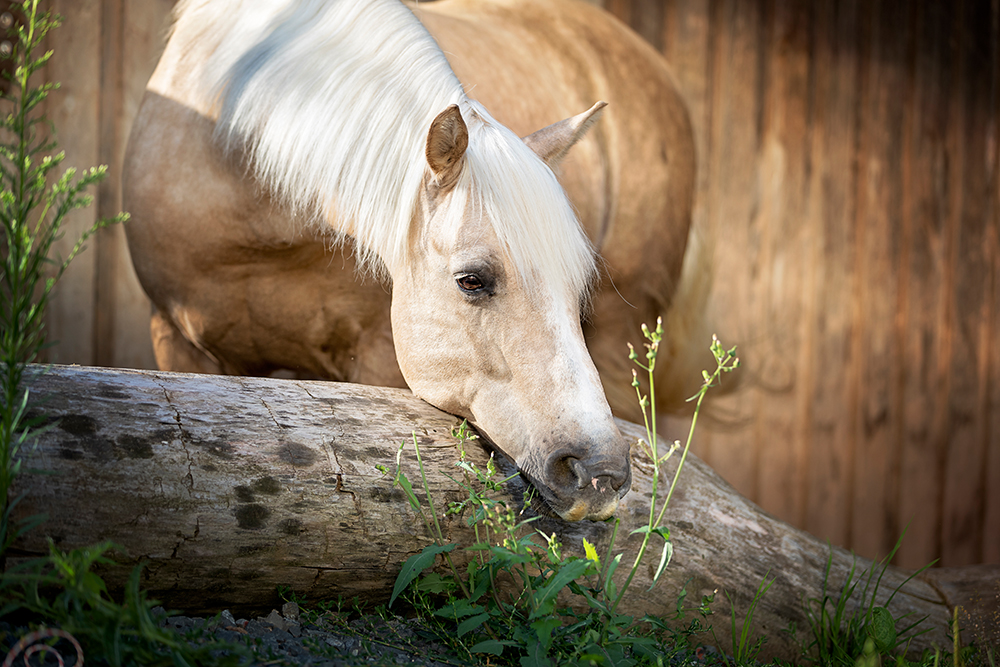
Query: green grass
{"type": "Point", "coordinates": [524, 622]}
{"type": "Point", "coordinates": [844, 625]}
{"type": "Point", "coordinates": [529, 623]}
{"type": "Point", "coordinates": [61, 588]}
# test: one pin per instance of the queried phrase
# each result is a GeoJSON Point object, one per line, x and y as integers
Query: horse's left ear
{"type": "Point", "coordinates": [446, 143]}
{"type": "Point", "coordinates": [553, 142]}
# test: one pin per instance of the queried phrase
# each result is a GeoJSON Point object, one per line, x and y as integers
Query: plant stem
{"type": "Point", "coordinates": [725, 362]}
{"type": "Point", "coordinates": [33, 207]}
{"type": "Point", "coordinates": [437, 526]}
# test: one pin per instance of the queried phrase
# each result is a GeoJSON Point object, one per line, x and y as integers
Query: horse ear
{"type": "Point", "coordinates": [553, 142]}
{"type": "Point", "coordinates": [446, 143]}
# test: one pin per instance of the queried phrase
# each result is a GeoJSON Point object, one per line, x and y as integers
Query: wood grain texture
{"type": "Point", "coordinates": [848, 183]}
{"type": "Point", "coordinates": [98, 313]}
{"type": "Point", "coordinates": [869, 395]}
{"type": "Point", "coordinates": [924, 213]}
{"type": "Point", "coordinates": [964, 492]}
{"type": "Point", "coordinates": [782, 277]}
{"type": "Point", "coordinates": [109, 242]}
{"type": "Point", "coordinates": [732, 198]}
{"type": "Point", "coordinates": [227, 487]}
{"type": "Point", "coordinates": [835, 118]}
{"type": "Point", "coordinates": [144, 28]}
{"type": "Point", "coordinates": [991, 466]}
{"type": "Point", "coordinates": [74, 110]}
{"type": "Point", "coordinates": [878, 365]}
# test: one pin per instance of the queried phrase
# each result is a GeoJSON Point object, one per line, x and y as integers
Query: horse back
{"type": "Point", "coordinates": [239, 284]}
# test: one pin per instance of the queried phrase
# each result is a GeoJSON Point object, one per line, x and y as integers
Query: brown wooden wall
{"type": "Point", "coordinates": [104, 54]}
{"type": "Point", "coordinates": [848, 176]}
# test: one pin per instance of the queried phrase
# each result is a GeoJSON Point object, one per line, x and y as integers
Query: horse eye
{"type": "Point", "coordinates": [470, 282]}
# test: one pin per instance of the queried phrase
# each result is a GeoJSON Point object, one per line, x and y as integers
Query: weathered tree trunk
{"type": "Point", "coordinates": [228, 487]}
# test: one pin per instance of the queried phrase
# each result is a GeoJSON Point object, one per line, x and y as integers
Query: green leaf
{"type": "Point", "coordinates": [435, 583]}
{"type": "Point", "coordinates": [883, 629]}
{"type": "Point", "coordinates": [567, 573]}
{"type": "Point", "coordinates": [535, 657]}
{"type": "Point", "coordinates": [505, 557]}
{"type": "Point", "coordinates": [668, 551]}
{"type": "Point", "coordinates": [480, 582]}
{"type": "Point", "coordinates": [416, 564]}
{"type": "Point", "coordinates": [610, 590]}
{"type": "Point", "coordinates": [543, 627]}
{"type": "Point", "coordinates": [459, 609]}
{"type": "Point", "coordinates": [646, 646]}
{"type": "Point", "coordinates": [491, 646]}
{"type": "Point", "coordinates": [588, 596]}
{"type": "Point", "coordinates": [470, 624]}
{"type": "Point", "coordinates": [404, 482]}
{"type": "Point", "coordinates": [662, 531]}
{"type": "Point", "coordinates": [92, 583]}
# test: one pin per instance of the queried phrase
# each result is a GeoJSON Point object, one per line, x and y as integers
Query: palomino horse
{"type": "Point", "coordinates": [274, 134]}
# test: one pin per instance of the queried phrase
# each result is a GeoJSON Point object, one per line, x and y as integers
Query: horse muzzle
{"type": "Point", "coordinates": [579, 488]}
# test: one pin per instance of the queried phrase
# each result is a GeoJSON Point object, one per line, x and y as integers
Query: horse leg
{"type": "Point", "coordinates": [174, 352]}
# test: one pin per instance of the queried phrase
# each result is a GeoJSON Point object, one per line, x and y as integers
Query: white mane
{"type": "Point", "coordinates": [331, 100]}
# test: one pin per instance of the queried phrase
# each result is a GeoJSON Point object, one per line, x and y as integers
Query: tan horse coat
{"type": "Point", "coordinates": [240, 287]}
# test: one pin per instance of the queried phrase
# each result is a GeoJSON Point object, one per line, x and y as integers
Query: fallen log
{"type": "Point", "coordinates": [227, 487]}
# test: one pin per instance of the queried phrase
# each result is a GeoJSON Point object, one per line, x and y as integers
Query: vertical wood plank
{"type": "Point", "coordinates": [835, 112]}
{"type": "Point", "coordinates": [646, 17]}
{"type": "Point", "coordinates": [990, 550]}
{"type": "Point", "coordinates": [783, 274]}
{"type": "Point", "coordinates": [877, 378]}
{"type": "Point", "coordinates": [144, 29]}
{"type": "Point", "coordinates": [687, 48]}
{"type": "Point", "coordinates": [991, 515]}
{"type": "Point", "coordinates": [968, 400]}
{"type": "Point", "coordinates": [925, 204]}
{"type": "Point", "coordinates": [733, 200]}
{"type": "Point", "coordinates": [955, 160]}
{"type": "Point", "coordinates": [109, 191]}
{"type": "Point", "coordinates": [74, 110]}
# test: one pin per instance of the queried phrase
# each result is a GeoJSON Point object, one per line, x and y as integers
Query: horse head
{"type": "Point", "coordinates": [486, 310]}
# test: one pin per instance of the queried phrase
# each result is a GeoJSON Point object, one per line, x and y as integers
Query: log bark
{"type": "Point", "coordinates": [227, 487]}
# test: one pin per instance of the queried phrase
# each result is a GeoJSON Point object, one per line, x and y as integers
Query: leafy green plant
{"type": "Point", "coordinates": [63, 590]}
{"type": "Point", "coordinates": [746, 649]}
{"type": "Point", "coordinates": [32, 213]}
{"type": "Point", "coordinates": [726, 361]}
{"type": "Point", "coordinates": [62, 587]}
{"type": "Point", "coordinates": [507, 601]}
{"type": "Point", "coordinates": [843, 627]}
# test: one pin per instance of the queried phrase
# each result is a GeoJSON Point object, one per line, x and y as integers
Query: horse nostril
{"type": "Point", "coordinates": [608, 469]}
{"type": "Point", "coordinates": [619, 478]}
{"type": "Point", "coordinates": [602, 473]}
{"type": "Point", "coordinates": [580, 471]}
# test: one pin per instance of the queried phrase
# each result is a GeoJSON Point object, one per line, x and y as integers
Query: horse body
{"type": "Point", "coordinates": [244, 281]}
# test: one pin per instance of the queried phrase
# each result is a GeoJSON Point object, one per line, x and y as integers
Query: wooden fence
{"type": "Point", "coordinates": [848, 176]}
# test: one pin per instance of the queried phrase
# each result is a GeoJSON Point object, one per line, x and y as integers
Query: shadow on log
{"type": "Point", "coordinates": [228, 487]}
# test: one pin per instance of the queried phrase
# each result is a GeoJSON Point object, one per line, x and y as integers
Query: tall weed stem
{"type": "Point", "coordinates": [33, 207]}
{"type": "Point", "coordinates": [726, 361]}
{"type": "Point", "coordinates": [532, 620]}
